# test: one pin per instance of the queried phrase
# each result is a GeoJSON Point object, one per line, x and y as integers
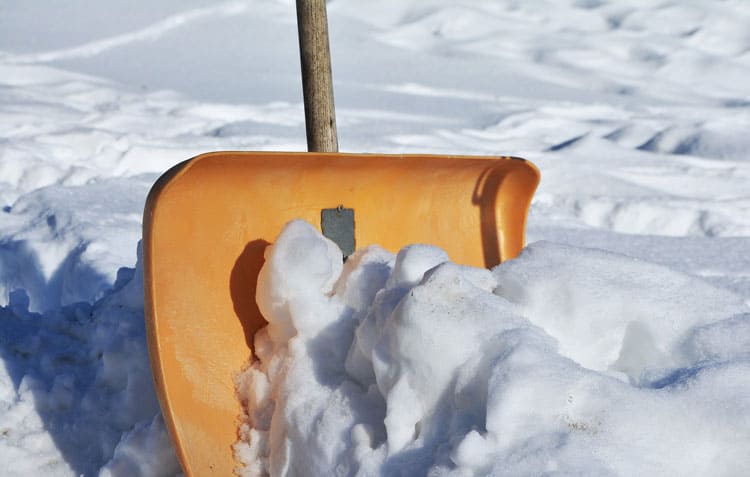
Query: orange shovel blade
{"type": "Point", "coordinates": [207, 222]}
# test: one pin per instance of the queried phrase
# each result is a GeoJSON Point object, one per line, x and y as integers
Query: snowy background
{"type": "Point", "coordinates": [636, 112]}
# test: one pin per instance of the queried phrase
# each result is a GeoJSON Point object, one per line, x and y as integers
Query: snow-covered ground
{"type": "Point", "coordinates": [636, 112]}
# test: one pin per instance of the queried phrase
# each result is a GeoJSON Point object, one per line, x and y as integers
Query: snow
{"type": "Point", "coordinates": [566, 360]}
{"type": "Point", "coordinates": [616, 344]}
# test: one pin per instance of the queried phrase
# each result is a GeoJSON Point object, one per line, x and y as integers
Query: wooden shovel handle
{"type": "Point", "coordinates": [317, 83]}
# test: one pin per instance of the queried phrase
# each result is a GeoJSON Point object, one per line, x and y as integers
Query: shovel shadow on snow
{"type": "Point", "coordinates": [72, 281]}
{"type": "Point", "coordinates": [58, 358]}
{"type": "Point", "coordinates": [48, 361]}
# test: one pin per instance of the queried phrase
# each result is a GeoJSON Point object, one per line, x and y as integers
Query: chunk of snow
{"type": "Point", "coordinates": [564, 360]}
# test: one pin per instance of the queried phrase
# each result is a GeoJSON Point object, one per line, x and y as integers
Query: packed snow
{"type": "Point", "coordinates": [616, 344]}
{"type": "Point", "coordinates": [565, 361]}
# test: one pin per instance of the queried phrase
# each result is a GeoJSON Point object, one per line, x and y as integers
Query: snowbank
{"type": "Point", "coordinates": [566, 361]}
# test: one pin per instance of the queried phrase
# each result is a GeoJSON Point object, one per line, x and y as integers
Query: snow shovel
{"type": "Point", "coordinates": [208, 220]}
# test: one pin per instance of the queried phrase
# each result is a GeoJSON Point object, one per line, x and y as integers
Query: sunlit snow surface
{"type": "Point", "coordinates": [635, 111]}
{"type": "Point", "coordinates": [567, 361]}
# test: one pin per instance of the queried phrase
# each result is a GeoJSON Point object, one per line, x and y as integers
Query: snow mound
{"type": "Point", "coordinates": [566, 361]}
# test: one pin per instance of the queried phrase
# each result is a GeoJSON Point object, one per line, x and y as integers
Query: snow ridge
{"type": "Point", "coordinates": [149, 33]}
